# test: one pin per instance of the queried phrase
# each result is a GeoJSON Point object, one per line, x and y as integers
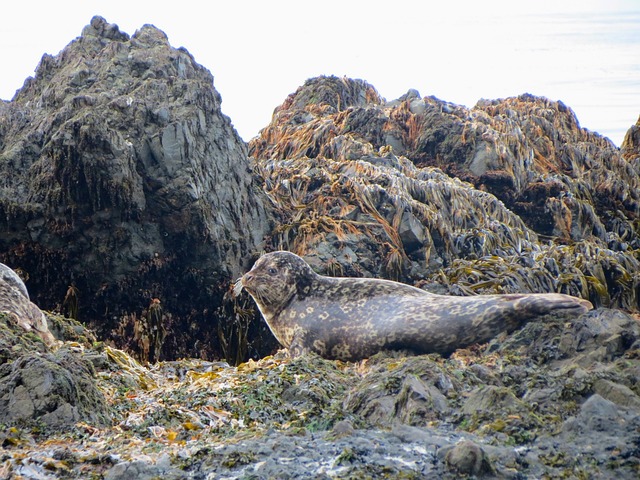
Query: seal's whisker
{"type": "Point", "coordinates": [262, 293]}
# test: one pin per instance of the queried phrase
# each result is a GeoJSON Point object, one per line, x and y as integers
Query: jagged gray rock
{"type": "Point", "coordinates": [120, 175]}
{"type": "Point", "coordinates": [57, 389]}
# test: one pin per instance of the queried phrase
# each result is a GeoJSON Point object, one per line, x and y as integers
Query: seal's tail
{"type": "Point", "coordinates": [545, 303]}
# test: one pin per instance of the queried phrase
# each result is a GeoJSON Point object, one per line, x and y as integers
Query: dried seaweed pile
{"type": "Point", "coordinates": [353, 207]}
{"type": "Point", "coordinates": [528, 151]}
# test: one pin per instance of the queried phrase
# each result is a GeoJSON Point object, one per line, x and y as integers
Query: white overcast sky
{"type": "Point", "coordinates": [583, 52]}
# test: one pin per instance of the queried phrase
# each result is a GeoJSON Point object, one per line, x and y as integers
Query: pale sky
{"type": "Point", "coordinates": [583, 52]}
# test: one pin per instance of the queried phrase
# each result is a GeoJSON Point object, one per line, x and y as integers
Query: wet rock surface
{"type": "Point", "coordinates": [519, 407]}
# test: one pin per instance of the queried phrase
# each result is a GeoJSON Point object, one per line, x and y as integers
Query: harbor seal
{"type": "Point", "coordinates": [14, 300]}
{"type": "Point", "coordinates": [354, 318]}
{"type": "Point", "coordinates": [8, 275]}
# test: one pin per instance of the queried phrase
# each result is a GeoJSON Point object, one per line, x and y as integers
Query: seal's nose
{"type": "Point", "coordinates": [247, 277]}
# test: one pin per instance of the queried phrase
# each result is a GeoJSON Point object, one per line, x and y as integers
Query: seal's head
{"type": "Point", "coordinates": [274, 280]}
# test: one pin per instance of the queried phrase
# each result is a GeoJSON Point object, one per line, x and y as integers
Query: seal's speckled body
{"type": "Point", "coordinates": [353, 318]}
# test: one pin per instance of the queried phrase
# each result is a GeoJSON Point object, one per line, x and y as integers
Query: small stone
{"type": "Point", "coordinates": [468, 458]}
{"type": "Point", "coordinates": [343, 428]}
{"type": "Point", "coordinates": [596, 415]}
{"type": "Point", "coordinates": [412, 232]}
{"type": "Point", "coordinates": [489, 398]}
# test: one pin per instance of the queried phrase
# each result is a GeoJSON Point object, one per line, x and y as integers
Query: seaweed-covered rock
{"type": "Point", "coordinates": [55, 389]}
{"type": "Point", "coordinates": [599, 335]}
{"type": "Point", "coordinates": [397, 390]}
{"type": "Point", "coordinates": [526, 405]}
{"type": "Point", "coordinates": [122, 178]}
{"type": "Point", "coordinates": [38, 385]}
{"type": "Point", "coordinates": [15, 341]}
{"type": "Point", "coordinates": [452, 199]}
{"type": "Point", "coordinates": [630, 148]}
{"type": "Point", "coordinates": [373, 188]}
{"type": "Point", "coordinates": [528, 151]}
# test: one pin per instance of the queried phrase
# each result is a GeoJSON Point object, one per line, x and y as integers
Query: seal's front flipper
{"type": "Point", "coordinates": [297, 347]}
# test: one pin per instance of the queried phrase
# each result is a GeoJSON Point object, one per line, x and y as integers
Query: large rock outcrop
{"type": "Point", "coordinates": [41, 383]}
{"type": "Point", "coordinates": [121, 177]}
{"type": "Point", "coordinates": [128, 199]}
{"type": "Point", "coordinates": [530, 152]}
{"type": "Point", "coordinates": [554, 399]}
{"type": "Point", "coordinates": [369, 187]}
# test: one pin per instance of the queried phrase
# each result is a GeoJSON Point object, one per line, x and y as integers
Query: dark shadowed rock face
{"type": "Point", "coordinates": [120, 175]}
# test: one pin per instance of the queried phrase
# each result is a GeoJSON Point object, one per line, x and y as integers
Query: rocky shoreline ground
{"type": "Point", "coordinates": [555, 399]}
{"type": "Point", "coordinates": [129, 205]}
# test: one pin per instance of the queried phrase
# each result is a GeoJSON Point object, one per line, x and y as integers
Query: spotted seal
{"type": "Point", "coordinates": [353, 318]}
{"type": "Point", "coordinates": [14, 300]}
{"type": "Point", "coordinates": [12, 278]}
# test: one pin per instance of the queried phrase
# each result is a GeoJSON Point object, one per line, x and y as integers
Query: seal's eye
{"type": "Point", "coordinates": [272, 271]}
